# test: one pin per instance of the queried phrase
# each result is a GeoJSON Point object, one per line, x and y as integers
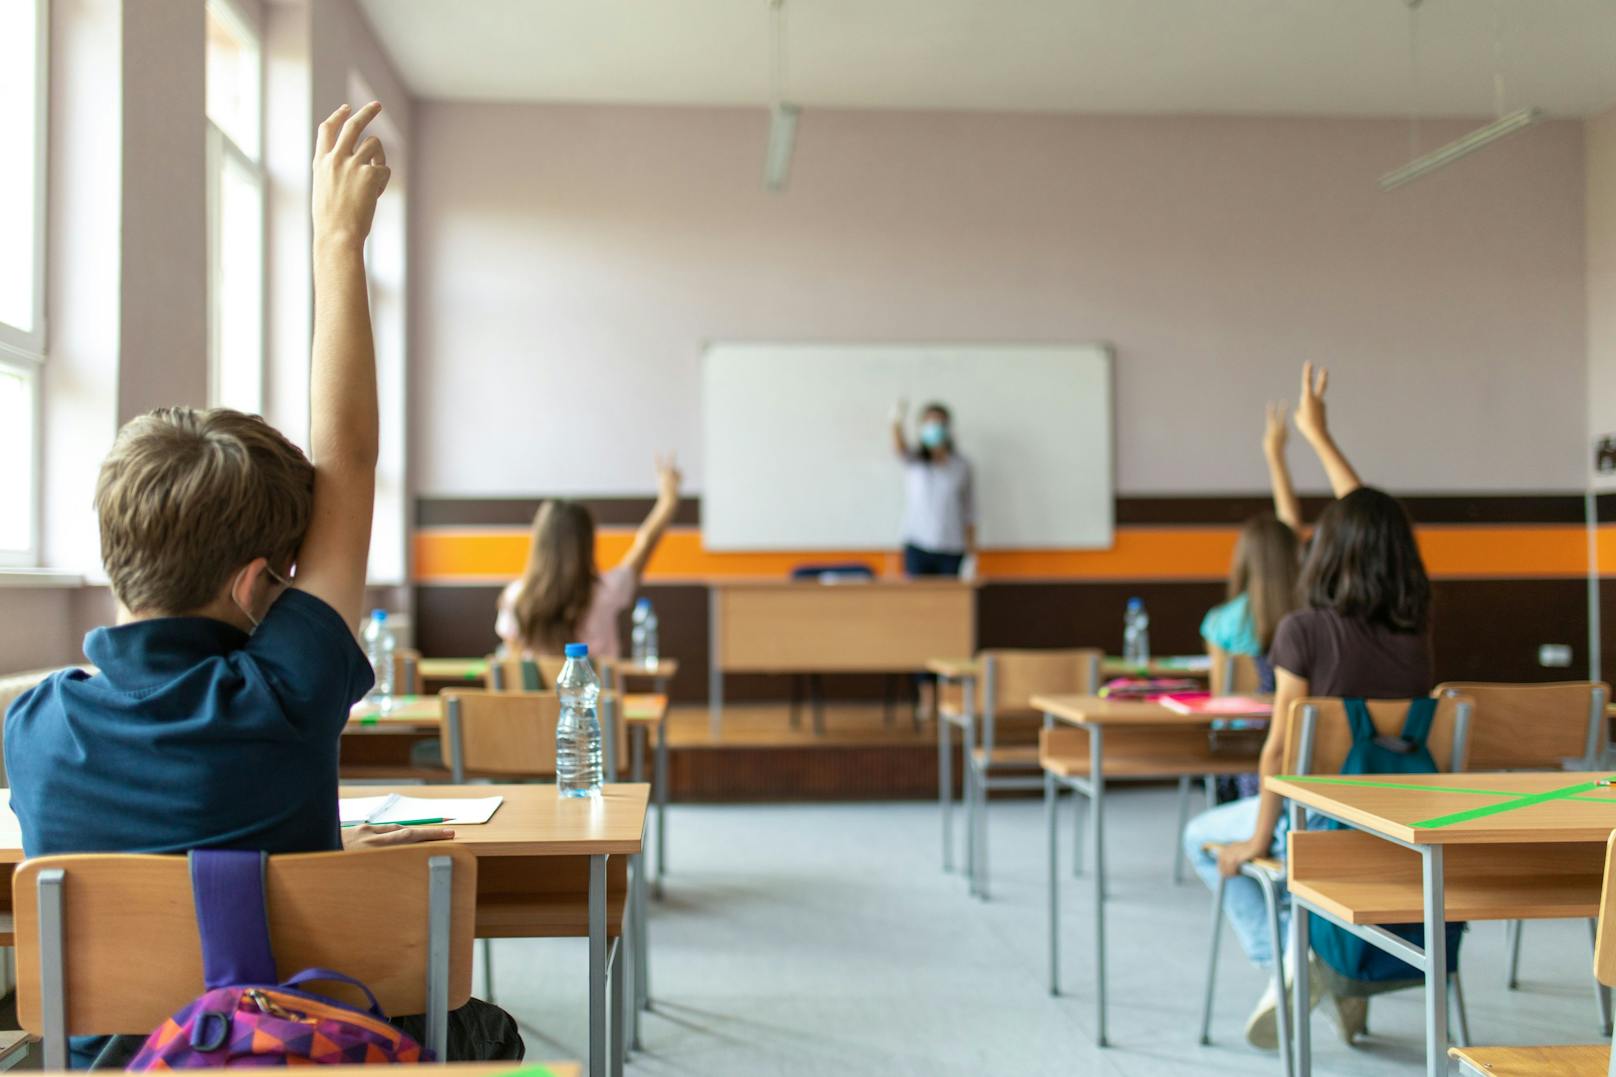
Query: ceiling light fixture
{"type": "Point", "coordinates": [1505, 125]}
{"type": "Point", "coordinates": [782, 116]}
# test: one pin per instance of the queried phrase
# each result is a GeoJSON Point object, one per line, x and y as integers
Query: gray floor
{"type": "Point", "coordinates": [812, 938]}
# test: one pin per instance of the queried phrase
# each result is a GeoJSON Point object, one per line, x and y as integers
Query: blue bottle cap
{"type": "Point", "coordinates": [644, 603]}
{"type": "Point", "coordinates": [378, 615]}
{"type": "Point", "coordinates": [577, 650]}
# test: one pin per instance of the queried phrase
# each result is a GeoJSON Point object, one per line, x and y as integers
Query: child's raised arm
{"type": "Point", "coordinates": [650, 532]}
{"type": "Point", "coordinates": [1311, 421]}
{"type": "Point", "coordinates": [1286, 505]}
{"type": "Point", "coordinates": [899, 443]}
{"type": "Point", "coordinates": [349, 176]}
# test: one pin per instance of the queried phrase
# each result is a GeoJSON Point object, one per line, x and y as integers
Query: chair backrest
{"type": "Point", "coordinates": [1535, 726]}
{"type": "Point", "coordinates": [506, 733]}
{"type": "Point", "coordinates": [526, 673]}
{"type": "Point", "coordinates": [407, 680]}
{"type": "Point", "coordinates": [1011, 677]}
{"type": "Point", "coordinates": [109, 944]}
{"type": "Point", "coordinates": [1234, 675]}
{"type": "Point", "coordinates": [1605, 939]}
{"type": "Point", "coordinates": [1318, 738]}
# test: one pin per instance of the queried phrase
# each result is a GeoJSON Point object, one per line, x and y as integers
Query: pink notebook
{"type": "Point", "coordinates": [1207, 703]}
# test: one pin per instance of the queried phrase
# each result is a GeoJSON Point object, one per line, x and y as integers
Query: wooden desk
{"type": "Point", "coordinates": [1436, 847]}
{"type": "Point", "coordinates": [622, 674]}
{"type": "Point", "coordinates": [876, 626]}
{"type": "Point", "coordinates": [1196, 667]}
{"type": "Point", "coordinates": [547, 867]}
{"type": "Point", "coordinates": [473, 1069]}
{"type": "Point", "coordinates": [408, 714]}
{"type": "Point", "coordinates": [1117, 740]}
{"type": "Point", "coordinates": [452, 669]}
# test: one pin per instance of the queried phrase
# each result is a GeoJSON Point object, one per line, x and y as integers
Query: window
{"type": "Point", "coordinates": [235, 103]}
{"type": "Point", "coordinates": [24, 40]}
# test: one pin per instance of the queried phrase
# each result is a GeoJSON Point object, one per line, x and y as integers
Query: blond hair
{"type": "Point", "coordinates": [187, 497]}
{"type": "Point", "coordinates": [559, 582]}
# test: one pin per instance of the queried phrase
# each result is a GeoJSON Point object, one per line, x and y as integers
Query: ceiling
{"type": "Point", "coordinates": [1319, 57]}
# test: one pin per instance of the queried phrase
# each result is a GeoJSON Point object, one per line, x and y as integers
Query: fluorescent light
{"type": "Point", "coordinates": [1475, 140]}
{"type": "Point", "coordinates": [782, 139]}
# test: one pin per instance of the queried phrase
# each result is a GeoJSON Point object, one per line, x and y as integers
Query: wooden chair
{"type": "Point", "coordinates": [1317, 740]}
{"type": "Point", "coordinates": [1007, 756]}
{"type": "Point", "coordinates": [1574, 1060]}
{"type": "Point", "coordinates": [524, 673]}
{"type": "Point", "coordinates": [108, 945]}
{"type": "Point", "coordinates": [407, 679]}
{"type": "Point", "coordinates": [1233, 674]}
{"type": "Point", "coordinates": [1538, 727]}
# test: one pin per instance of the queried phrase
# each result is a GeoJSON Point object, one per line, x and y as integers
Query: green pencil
{"type": "Point", "coordinates": [400, 822]}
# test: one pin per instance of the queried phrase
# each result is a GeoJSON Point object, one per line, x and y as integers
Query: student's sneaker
{"type": "Point", "coordinates": [1262, 1027]}
{"type": "Point", "coordinates": [1350, 1015]}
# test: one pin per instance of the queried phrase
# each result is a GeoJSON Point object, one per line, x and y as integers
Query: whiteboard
{"type": "Point", "coordinates": [798, 455]}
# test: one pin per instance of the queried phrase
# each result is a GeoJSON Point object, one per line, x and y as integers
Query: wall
{"type": "Point", "coordinates": [573, 249]}
{"type": "Point", "coordinates": [1601, 272]}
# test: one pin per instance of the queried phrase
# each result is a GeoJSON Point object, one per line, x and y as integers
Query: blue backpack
{"type": "Point", "coordinates": [1373, 753]}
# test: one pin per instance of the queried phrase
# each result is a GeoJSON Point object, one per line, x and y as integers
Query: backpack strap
{"type": "Point", "coordinates": [232, 917]}
{"type": "Point", "coordinates": [1359, 721]}
{"type": "Point", "coordinates": [1417, 723]}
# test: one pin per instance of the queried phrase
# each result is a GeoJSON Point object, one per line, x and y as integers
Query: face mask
{"type": "Point", "coordinates": [933, 434]}
{"type": "Point", "coordinates": [276, 576]}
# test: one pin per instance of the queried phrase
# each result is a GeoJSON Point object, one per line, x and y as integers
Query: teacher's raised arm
{"type": "Point", "coordinates": [939, 516]}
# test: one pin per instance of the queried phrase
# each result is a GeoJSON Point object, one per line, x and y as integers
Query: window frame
{"type": "Point", "coordinates": [15, 343]}
{"type": "Point", "coordinates": [32, 372]}
{"type": "Point", "coordinates": [219, 147]}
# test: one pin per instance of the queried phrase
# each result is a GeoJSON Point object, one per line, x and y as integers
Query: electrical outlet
{"type": "Point", "coordinates": [1554, 655]}
{"type": "Point", "coordinates": [1605, 455]}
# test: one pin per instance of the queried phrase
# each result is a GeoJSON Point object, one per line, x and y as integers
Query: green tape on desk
{"type": "Point", "coordinates": [1494, 809]}
{"type": "Point", "coordinates": [1310, 780]}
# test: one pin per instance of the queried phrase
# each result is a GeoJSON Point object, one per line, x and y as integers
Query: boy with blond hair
{"type": "Point", "coordinates": [239, 568]}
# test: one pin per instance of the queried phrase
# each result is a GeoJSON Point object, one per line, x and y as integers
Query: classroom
{"type": "Point", "coordinates": [752, 537]}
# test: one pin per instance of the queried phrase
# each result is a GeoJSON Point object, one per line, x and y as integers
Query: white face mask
{"type": "Point", "coordinates": [276, 576]}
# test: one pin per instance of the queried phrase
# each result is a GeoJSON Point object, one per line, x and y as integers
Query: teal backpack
{"type": "Point", "coordinates": [1373, 753]}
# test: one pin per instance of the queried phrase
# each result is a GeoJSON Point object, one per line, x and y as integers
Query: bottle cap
{"type": "Point", "coordinates": [1135, 603]}
{"type": "Point", "coordinates": [577, 650]}
{"type": "Point", "coordinates": [378, 615]}
{"type": "Point", "coordinates": [644, 604]}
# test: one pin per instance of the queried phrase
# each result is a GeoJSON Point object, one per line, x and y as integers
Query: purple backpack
{"type": "Point", "coordinates": [247, 1017]}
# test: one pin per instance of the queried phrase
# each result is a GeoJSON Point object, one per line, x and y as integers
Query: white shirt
{"type": "Point", "coordinates": [938, 504]}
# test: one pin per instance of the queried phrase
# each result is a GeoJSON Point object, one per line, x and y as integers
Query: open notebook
{"type": "Point", "coordinates": [393, 808]}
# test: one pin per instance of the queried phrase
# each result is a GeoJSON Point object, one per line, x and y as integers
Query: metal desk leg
{"type": "Point", "coordinates": [619, 989]}
{"type": "Point", "coordinates": [640, 957]}
{"type": "Point", "coordinates": [1097, 839]}
{"type": "Point", "coordinates": [1436, 964]}
{"type": "Point", "coordinates": [1301, 988]}
{"type": "Point", "coordinates": [968, 797]}
{"type": "Point", "coordinates": [597, 966]}
{"type": "Point", "coordinates": [945, 790]}
{"type": "Point", "coordinates": [1052, 826]}
{"type": "Point", "coordinates": [715, 677]}
{"type": "Point", "coordinates": [661, 791]}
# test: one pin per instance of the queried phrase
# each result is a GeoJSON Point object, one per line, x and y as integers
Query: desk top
{"type": "Point", "coordinates": [406, 711]}
{"type": "Point", "coordinates": [627, 668]}
{"type": "Point", "coordinates": [1459, 809]}
{"type": "Point", "coordinates": [953, 668]}
{"type": "Point", "coordinates": [474, 1069]}
{"type": "Point", "coordinates": [644, 709]}
{"type": "Point", "coordinates": [923, 583]}
{"type": "Point", "coordinates": [452, 669]}
{"type": "Point", "coordinates": [1189, 666]}
{"type": "Point", "coordinates": [1097, 710]}
{"type": "Point", "coordinates": [533, 821]}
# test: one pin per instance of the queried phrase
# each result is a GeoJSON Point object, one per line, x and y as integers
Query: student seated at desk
{"type": "Point", "coordinates": [560, 598]}
{"type": "Point", "coordinates": [222, 692]}
{"type": "Point", "coordinates": [1362, 632]}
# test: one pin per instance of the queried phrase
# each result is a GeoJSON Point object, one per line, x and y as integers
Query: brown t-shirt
{"type": "Point", "coordinates": [1348, 656]}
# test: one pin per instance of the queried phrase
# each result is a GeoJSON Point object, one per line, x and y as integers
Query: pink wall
{"type": "Point", "coordinates": [591, 250]}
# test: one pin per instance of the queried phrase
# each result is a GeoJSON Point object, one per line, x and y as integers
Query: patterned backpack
{"type": "Point", "coordinates": [248, 1018]}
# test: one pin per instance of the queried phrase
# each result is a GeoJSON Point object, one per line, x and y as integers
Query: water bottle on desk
{"type": "Point", "coordinates": [1136, 634]}
{"type": "Point", "coordinates": [578, 763]}
{"type": "Point", "coordinates": [379, 648]}
{"type": "Point", "coordinates": [644, 640]}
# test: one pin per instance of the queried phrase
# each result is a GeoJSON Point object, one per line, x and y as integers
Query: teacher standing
{"type": "Point", "coordinates": [939, 513]}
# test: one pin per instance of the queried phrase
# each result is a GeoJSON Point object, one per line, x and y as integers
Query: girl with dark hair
{"type": "Point", "coordinates": [939, 516]}
{"type": "Point", "coordinates": [1361, 631]}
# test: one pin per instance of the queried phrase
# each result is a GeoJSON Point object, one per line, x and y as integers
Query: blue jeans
{"type": "Point", "coordinates": [918, 562]}
{"type": "Point", "coordinates": [1243, 900]}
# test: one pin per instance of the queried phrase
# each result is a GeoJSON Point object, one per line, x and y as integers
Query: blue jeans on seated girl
{"type": "Point", "coordinates": [1243, 901]}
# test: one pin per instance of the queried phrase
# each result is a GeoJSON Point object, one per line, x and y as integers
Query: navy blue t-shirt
{"type": "Point", "coordinates": [192, 735]}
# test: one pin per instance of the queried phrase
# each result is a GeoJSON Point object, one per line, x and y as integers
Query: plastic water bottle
{"type": "Point", "coordinates": [578, 772]}
{"type": "Point", "coordinates": [1136, 634]}
{"type": "Point", "coordinates": [645, 634]}
{"type": "Point", "coordinates": [379, 647]}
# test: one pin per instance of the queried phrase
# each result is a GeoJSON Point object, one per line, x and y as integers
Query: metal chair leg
{"type": "Point", "coordinates": [982, 791]}
{"type": "Point", "coordinates": [1601, 992]}
{"type": "Point", "coordinates": [1178, 834]}
{"type": "Point", "coordinates": [488, 970]}
{"type": "Point", "coordinates": [1078, 807]}
{"type": "Point", "coordinates": [1512, 941]}
{"type": "Point", "coordinates": [1270, 889]}
{"type": "Point", "coordinates": [1461, 1019]}
{"type": "Point", "coordinates": [1212, 961]}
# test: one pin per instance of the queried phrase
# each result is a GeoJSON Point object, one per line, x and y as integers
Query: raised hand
{"type": "Point", "coordinates": [1277, 430]}
{"type": "Point", "coordinates": [668, 477]}
{"type": "Point", "coordinates": [349, 175]}
{"type": "Point", "coordinates": [1310, 415]}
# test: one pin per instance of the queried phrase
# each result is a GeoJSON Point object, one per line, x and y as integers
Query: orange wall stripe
{"type": "Point", "coordinates": [1549, 551]}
